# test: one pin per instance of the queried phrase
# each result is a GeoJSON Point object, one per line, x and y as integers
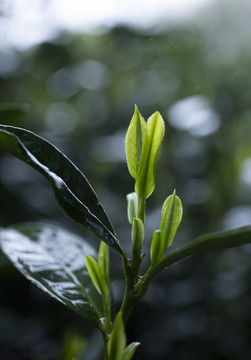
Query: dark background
{"type": "Point", "coordinates": [79, 91]}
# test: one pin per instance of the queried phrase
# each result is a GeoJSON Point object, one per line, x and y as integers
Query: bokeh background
{"type": "Point", "coordinates": [77, 88]}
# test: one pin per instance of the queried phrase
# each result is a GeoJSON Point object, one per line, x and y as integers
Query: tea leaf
{"type": "Point", "coordinates": [145, 181]}
{"type": "Point", "coordinates": [158, 247]}
{"type": "Point", "coordinates": [203, 244]}
{"type": "Point", "coordinates": [134, 141]}
{"type": "Point", "coordinates": [54, 260]}
{"type": "Point", "coordinates": [130, 350]}
{"type": "Point", "coordinates": [95, 274]}
{"type": "Point", "coordinates": [117, 341]}
{"type": "Point", "coordinates": [171, 217]}
{"type": "Point", "coordinates": [72, 189]}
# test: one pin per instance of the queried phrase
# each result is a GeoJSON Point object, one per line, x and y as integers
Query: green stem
{"type": "Point", "coordinates": [129, 299]}
{"type": "Point", "coordinates": [106, 357]}
{"type": "Point", "coordinates": [107, 312]}
{"type": "Point", "coordinates": [137, 240]}
{"type": "Point", "coordinates": [141, 209]}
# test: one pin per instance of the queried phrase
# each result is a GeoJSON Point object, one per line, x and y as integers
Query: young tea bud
{"type": "Point", "coordinates": [132, 206]}
{"type": "Point", "coordinates": [170, 217]}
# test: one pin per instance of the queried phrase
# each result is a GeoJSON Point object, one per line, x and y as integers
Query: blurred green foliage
{"type": "Point", "coordinates": [81, 92]}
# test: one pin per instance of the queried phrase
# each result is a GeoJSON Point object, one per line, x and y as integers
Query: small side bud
{"type": "Point", "coordinates": [103, 261]}
{"type": "Point", "coordinates": [171, 217]}
{"type": "Point", "coordinates": [95, 274]}
{"type": "Point", "coordinates": [132, 206]}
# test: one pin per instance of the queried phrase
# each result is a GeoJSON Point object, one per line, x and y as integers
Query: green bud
{"type": "Point", "coordinates": [145, 180]}
{"type": "Point", "coordinates": [158, 247]}
{"type": "Point", "coordinates": [132, 206]}
{"type": "Point", "coordinates": [103, 261]}
{"type": "Point", "coordinates": [95, 274]}
{"type": "Point", "coordinates": [171, 217]}
{"type": "Point", "coordinates": [134, 142]}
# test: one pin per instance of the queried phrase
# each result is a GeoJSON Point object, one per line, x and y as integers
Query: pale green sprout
{"type": "Point", "coordinates": [170, 219]}
{"type": "Point", "coordinates": [142, 145]}
{"type": "Point", "coordinates": [145, 180]}
{"type": "Point", "coordinates": [132, 206]}
{"type": "Point", "coordinates": [99, 273]}
{"type": "Point", "coordinates": [134, 142]}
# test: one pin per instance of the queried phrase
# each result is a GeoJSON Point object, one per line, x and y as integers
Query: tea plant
{"type": "Point", "coordinates": [66, 266]}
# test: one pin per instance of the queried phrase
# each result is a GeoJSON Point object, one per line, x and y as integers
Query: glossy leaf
{"type": "Point", "coordinates": [130, 350]}
{"type": "Point", "coordinates": [132, 206]}
{"type": "Point", "coordinates": [72, 189]}
{"type": "Point", "coordinates": [158, 247]}
{"type": "Point", "coordinates": [134, 141]}
{"type": "Point", "coordinates": [117, 341]}
{"type": "Point", "coordinates": [54, 260]}
{"type": "Point", "coordinates": [171, 217]}
{"type": "Point", "coordinates": [95, 274]}
{"type": "Point", "coordinates": [145, 181]}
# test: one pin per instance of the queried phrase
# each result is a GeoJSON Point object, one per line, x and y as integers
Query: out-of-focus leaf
{"type": "Point", "coordinates": [54, 260]}
{"type": "Point", "coordinates": [117, 341]}
{"type": "Point", "coordinates": [134, 142]}
{"type": "Point", "coordinates": [94, 348]}
{"type": "Point", "coordinates": [73, 345]}
{"type": "Point", "coordinates": [145, 181]}
{"type": "Point", "coordinates": [72, 189]}
{"type": "Point", "coordinates": [10, 113]}
{"type": "Point", "coordinates": [130, 350]}
{"type": "Point", "coordinates": [171, 217]}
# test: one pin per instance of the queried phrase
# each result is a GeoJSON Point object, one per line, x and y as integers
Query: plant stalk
{"type": "Point", "coordinates": [141, 209]}
{"type": "Point", "coordinates": [129, 299]}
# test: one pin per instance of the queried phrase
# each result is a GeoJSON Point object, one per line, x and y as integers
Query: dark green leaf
{"type": "Point", "coordinates": [72, 189]}
{"type": "Point", "coordinates": [54, 260]}
{"type": "Point", "coordinates": [11, 113]}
